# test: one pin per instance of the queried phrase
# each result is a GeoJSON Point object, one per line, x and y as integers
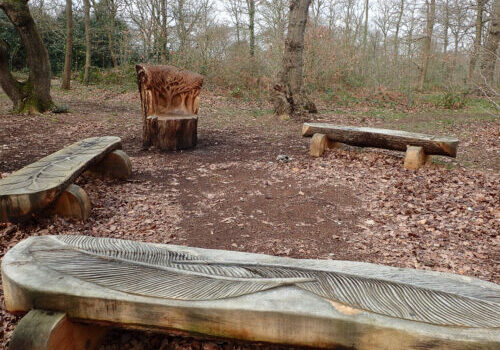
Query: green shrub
{"type": "Point", "coordinates": [236, 92]}
{"type": "Point", "coordinates": [123, 76]}
{"type": "Point", "coordinates": [449, 100]}
{"type": "Point", "coordinates": [453, 100]}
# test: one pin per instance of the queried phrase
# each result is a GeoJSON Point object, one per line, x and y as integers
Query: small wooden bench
{"type": "Point", "coordinates": [70, 284]}
{"type": "Point", "coordinates": [417, 146]}
{"type": "Point", "coordinates": [48, 183]}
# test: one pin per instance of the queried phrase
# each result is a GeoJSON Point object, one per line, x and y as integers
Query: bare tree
{"type": "Point", "coordinates": [186, 14]}
{"type": "Point", "coordinates": [88, 43]}
{"type": "Point", "coordinates": [491, 46]}
{"type": "Point", "coordinates": [32, 95]}
{"type": "Point", "coordinates": [165, 54]}
{"type": "Point", "coordinates": [317, 8]}
{"type": "Point", "coordinates": [400, 8]}
{"type": "Point", "coordinates": [383, 20]}
{"type": "Point", "coordinates": [251, 25]}
{"type": "Point", "coordinates": [66, 77]}
{"type": "Point", "coordinates": [112, 10]}
{"type": "Point", "coordinates": [431, 14]}
{"type": "Point", "coordinates": [288, 92]}
{"type": "Point", "coordinates": [274, 17]}
{"type": "Point", "coordinates": [235, 9]}
{"type": "Point", "coordinates": [446, 24]}
{"type": "Point", "coordinates": [365, 29]}
{"type": "Point", "coordinates": [478, 35]}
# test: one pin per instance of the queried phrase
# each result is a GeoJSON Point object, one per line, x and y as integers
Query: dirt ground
{"type": "Point", "coordinates": [230, 192]}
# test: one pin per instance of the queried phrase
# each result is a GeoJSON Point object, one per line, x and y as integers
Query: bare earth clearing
{"type": "Point", "coordinates": [231, 193]}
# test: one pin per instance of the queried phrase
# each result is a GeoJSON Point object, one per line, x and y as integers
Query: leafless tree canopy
{"type": "Point", "coordinates": [399, 44]}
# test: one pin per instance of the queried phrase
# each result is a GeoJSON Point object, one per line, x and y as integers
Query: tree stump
{"type": "Point", "coordinates": [169, 133]}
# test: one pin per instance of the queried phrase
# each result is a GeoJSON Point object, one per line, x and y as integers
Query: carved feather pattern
{"type": "Point", "coordinates": [156, 271]}
{"type": "Point", "coordinates": [58, 168]}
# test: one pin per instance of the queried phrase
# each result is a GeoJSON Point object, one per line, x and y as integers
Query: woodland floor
{"type": "Point", "coordinates": [231, 193]}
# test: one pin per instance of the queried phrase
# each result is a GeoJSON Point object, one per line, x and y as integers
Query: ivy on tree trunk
{"type": "Point", "coordinates": [32, 95]}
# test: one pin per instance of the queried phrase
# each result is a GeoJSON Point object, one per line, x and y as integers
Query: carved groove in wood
{"type": "Point", "coordinates": [155, 271]}
{"type": "Point", "coordinates": [167, 90]}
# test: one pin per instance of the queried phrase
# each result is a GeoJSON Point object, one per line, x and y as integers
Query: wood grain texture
{"type": "Point", "coordinates": [319, 143]}
{"type": "Point", "coordinates": [37, 185]}
{"type": "Point", "coordinates": [167, 91]}
{"type": "Point", "coordinates": [73, 203]}
{"type": "Point", "coordinates": [45, 330]}
{"type": "Point", "coordinates": [415, 158]}
{"type": "Point", "coordinates": [383, 138]}
{"type": "Point", "coordinates": [170, 133]}
{"type": "Point", "coordinates": [250, 296]}
{"type": "Point", "coordinates": [116, 165]}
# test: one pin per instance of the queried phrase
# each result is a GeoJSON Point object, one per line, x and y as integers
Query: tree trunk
{"type": "Point", "coordinates": [251, 25]}
{"type": "Point", "coordinates": [288, 96]}
{"type": "Point", "coordinates": [398, 26]}
{"type": "Point", "coordinates": [111, 31]}
{"type": "Point", "coordinates": [32, 95]}
{"type": "Point", "coordinates": [491, 45]}
{"type": "Point", "coordinates": [431, 14]}
{"type": "Point", "coordinates": [164, 32]}
{"type": "Point", "coordinates": [477, 38]}
{"type": "Point", "coordinates": [66, 80]}
{"type": "Point", "coordinates": [88, 44]}
{"type": "Point", "coordinates": [365, 31]}
{"type": "Point", "coordinates": [446, 26]}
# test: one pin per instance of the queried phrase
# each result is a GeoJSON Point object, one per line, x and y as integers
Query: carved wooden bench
{"type": "Point", "coordinates": [170, 101]}
{"type": "Point", "coordinates": [48, 183]}
{"type": "Point", "coordinates": [417, 146]}
{"type": "Point", "coordinates": [86, 281]}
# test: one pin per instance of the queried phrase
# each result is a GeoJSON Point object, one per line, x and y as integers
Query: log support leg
{"type": "Point", "coordinates": [319, 143]}
{"type": "Point", "coordinates": [44, 330]}
{"type": "Point", "coordinates": [335, 145]}
{"type": "Point", "coordinates": [415, 158]}
{"type": "Point", "coordinates": [116, 165]}
{"type": "Point", "coordinates": [73, 202]}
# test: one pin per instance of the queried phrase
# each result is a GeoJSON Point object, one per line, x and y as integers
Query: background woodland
{"type": "Point", "coordinates": [379, 45]}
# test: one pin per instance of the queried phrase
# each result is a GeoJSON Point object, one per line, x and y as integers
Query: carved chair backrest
{"type": "Point", "coordinates": [167, 90]}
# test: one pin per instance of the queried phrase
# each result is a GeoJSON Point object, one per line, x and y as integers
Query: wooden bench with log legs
{"type": "Point", "coordinates": [48, 183]}
{"type": "Point", "coordinates": [417, 146]}
{"type": "Point", "coordinates": [69, 284]}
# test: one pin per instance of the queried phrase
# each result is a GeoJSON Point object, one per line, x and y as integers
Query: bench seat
{"type": "Point", "coordinates": [37, 185]}
{"type": "Point", "coordinates": [418, 146]}
{"type": "Point", "coordinates": [251, 297]}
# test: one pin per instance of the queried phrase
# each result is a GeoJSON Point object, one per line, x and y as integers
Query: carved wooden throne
{"type": "Point", "coordinates": [169, 100]}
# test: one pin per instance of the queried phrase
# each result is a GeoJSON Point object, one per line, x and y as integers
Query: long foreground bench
{"type": "Point", "coordinates": [48, 183]}
{"type": "Point", "coordinates": [71, 284]}
{"type": "Point", "coordinates": [417, 146]}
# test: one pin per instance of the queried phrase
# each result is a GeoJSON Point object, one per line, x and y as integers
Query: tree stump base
{"type": "Point", "coordinates": [171, 133]}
